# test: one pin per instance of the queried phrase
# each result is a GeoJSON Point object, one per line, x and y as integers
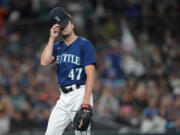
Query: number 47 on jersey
{"type": "Point", "coordinates": [76, 72]}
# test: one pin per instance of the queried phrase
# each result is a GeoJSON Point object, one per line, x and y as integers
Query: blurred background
{"type": "Point", "coordinates": [137, 88]}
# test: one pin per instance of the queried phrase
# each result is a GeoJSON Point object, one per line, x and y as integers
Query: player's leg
{"type": "Point", "coordinates": [79, 99]}
{"type": "Point", "coordinates": [58, 120]}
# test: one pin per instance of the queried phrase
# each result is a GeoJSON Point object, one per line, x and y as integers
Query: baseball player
{"type": "Point", "coordinates": [75, 62]}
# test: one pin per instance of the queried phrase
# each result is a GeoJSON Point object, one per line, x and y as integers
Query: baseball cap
{"type": "Point", "coordinates": [58, 15]}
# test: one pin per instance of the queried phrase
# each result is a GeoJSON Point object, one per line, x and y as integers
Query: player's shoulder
{"type": "Point", "coordinates": [84, 41]}
{"type": "Point", "coordinates": [58, 44]}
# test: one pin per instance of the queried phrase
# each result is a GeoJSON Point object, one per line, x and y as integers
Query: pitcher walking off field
{"type": "Point", "coordinates": [75, 60]}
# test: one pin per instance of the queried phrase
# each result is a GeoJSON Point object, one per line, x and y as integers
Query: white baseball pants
{"type": "Point", "coordinates": [64, 111]}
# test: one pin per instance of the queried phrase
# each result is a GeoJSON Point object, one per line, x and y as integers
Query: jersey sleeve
{"type": "Point", "coordinates": [88, 54]}
{"type": "Point", "coordinates": [54, 53]}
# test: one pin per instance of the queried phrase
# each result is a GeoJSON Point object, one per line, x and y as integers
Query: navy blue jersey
{"type": "Point", "coordinates": [71, 61]}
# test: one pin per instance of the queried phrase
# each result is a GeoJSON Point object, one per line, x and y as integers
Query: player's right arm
{"type": "Point", "coordinates": [47, 57]}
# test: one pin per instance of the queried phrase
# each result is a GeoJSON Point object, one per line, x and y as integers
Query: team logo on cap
{"type": "Point", "coordinates": [57, 18]}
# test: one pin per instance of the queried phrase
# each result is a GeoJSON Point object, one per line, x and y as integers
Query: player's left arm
{"type": "Point", "coordinates": [90, 73]}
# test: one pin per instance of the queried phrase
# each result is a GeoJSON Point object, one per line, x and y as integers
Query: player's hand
{"type": "Point", "coordinates": [83, 117]}
{"type": "Point", "coordinates": [54, 31]}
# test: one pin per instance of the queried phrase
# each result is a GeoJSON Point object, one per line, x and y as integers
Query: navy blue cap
{"type": "Point", "coordinates": [58, 15]}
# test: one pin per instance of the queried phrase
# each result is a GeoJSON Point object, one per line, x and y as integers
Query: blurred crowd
{"type": "Point", "coordinates": [138, 62]}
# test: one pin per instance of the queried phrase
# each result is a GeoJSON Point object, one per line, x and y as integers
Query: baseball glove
{"type": "Point", "coordinates": [83, 117]}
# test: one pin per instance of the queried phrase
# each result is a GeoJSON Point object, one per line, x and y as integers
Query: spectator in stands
{"type": "Point", "coordinates": [108, 105]}
{"type": "Point", "coordinates": [4, 120]}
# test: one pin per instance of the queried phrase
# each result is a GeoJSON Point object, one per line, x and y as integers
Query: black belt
{"type": "Point", "coordinates": [66, 90]}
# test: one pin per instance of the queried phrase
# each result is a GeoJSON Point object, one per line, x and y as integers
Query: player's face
{"type": "Point", "coordinates": [68, 30]}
